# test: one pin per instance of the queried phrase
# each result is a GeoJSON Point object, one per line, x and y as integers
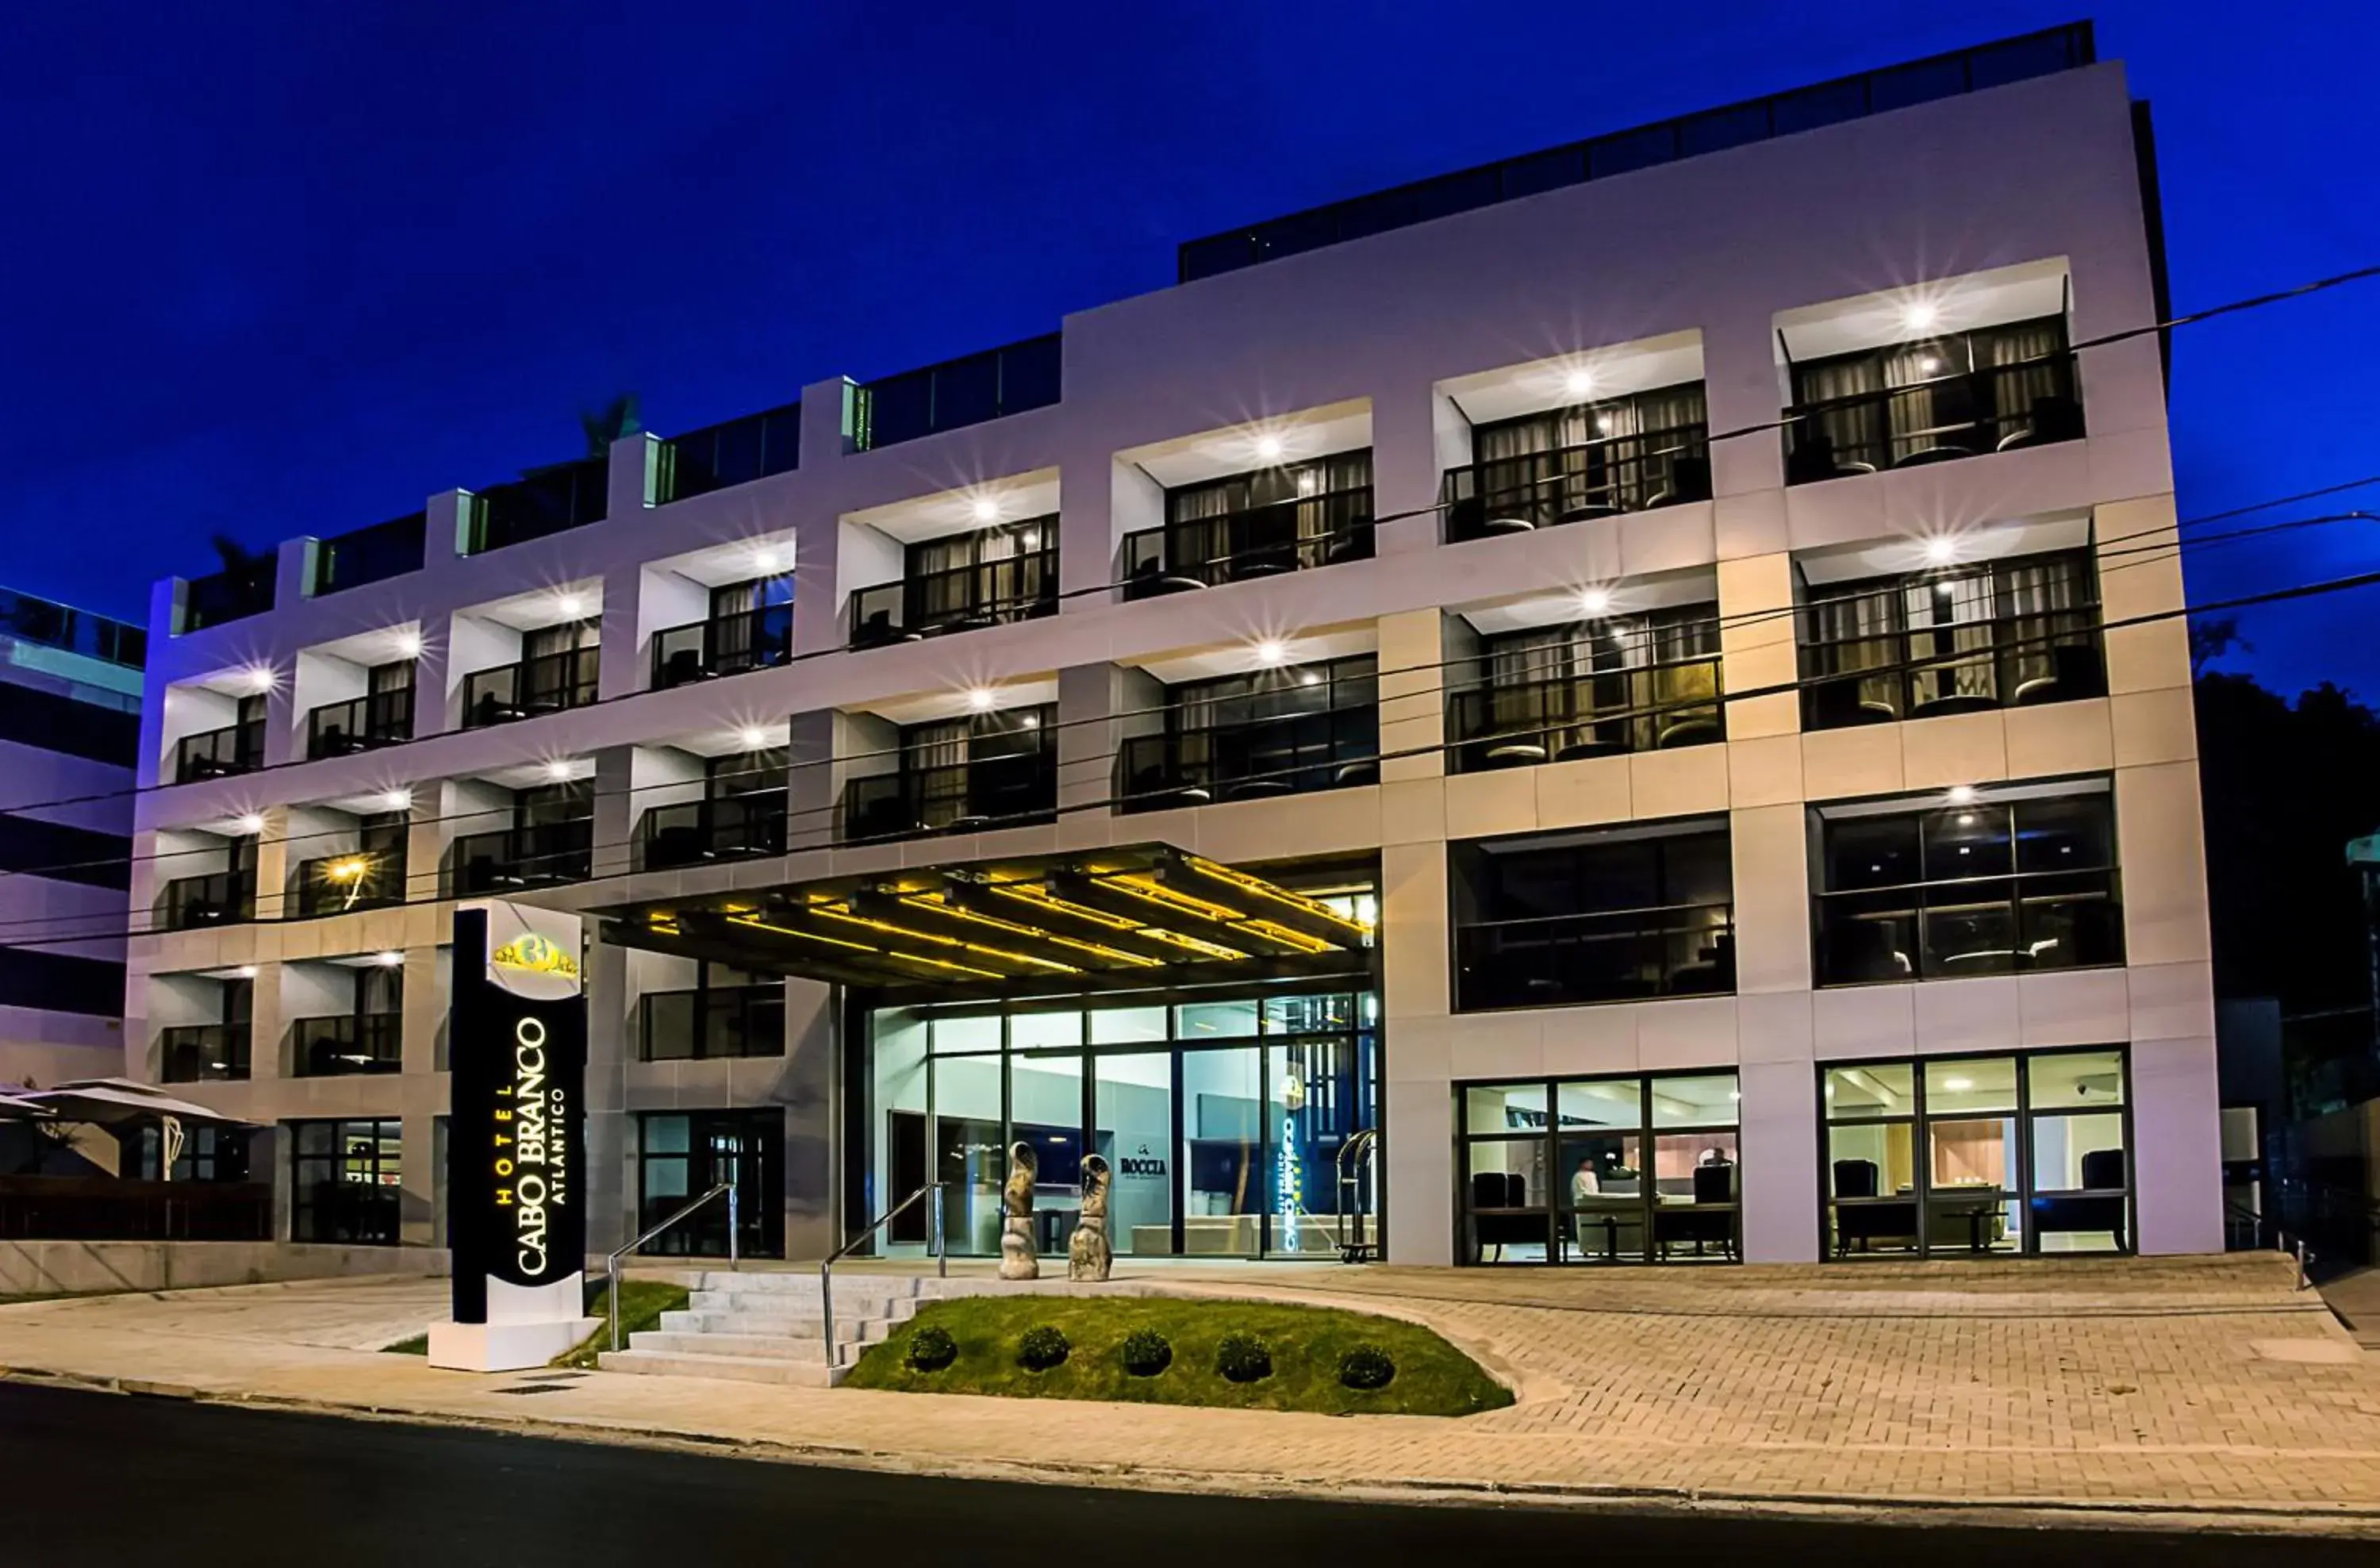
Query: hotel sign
{"type": "Point", "coordinates": [516, 1215]}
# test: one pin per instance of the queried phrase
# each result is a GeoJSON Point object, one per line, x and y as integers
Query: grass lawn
{"type": "Point", "coordinates": [642, 1302]}
{"type": "Point", "coordinates": [1432, 1378]}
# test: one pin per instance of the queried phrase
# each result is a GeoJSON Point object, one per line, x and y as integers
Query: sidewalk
{"type": "Point", "coordinates": [2127, 1389]}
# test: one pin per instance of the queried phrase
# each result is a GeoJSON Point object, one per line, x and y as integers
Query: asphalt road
{"type": "Point", "coordinates": [104, 1478]}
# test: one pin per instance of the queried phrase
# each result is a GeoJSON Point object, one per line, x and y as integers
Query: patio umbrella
{"type": "Point", "coordinates": [13, 1109]}
{"type": "Point", "coordinates": [115, 1102]}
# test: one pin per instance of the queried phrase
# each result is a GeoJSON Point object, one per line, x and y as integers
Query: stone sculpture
{"type": "Point", "coordinates": [1019, 1258]}
{"type": "Point", "coordinates": [1088, 1255]}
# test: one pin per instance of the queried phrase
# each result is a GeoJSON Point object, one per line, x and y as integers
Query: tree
{"type": "Point", "coordinates": [616, 421]}
{"type": "Point", "coordinates": [2212, 637]}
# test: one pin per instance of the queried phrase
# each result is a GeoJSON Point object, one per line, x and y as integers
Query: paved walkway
{"type": "Point", "coordinates": [2207, 1387]}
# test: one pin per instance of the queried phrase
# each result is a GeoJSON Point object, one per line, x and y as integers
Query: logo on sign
{"type": "Point", "coordinates": [1142, 1164]}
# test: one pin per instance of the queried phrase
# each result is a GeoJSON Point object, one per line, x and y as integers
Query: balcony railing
{"type": "Point", "coordinates": [547, 501]}
{"type": "Point", "coordinates": [694, 832]}
{"type": "Point", "coordinates": [1575, 484]}
{"type": "Point", "coordinates": [1962, 667]}
{"type": "Point", "coordinates": [546, 683]}
{"type": "Point", "coordinates": [336, 883]}
{"type": "Point", "coordinates": [1999, 408]}
{"type": "Point", "coordinates": [46, 621]}
{"type": "Point", "coordinates": [1020, 587]}
{"type": "Point", "coordinates": [232, 594]}
{"type": "Point", "coordinates": [1605, 713]}
{"type": "Point", "coordinates": [990, 385]}
{"type": "Point", "coordinates": [219, 898]}
{"type": "Point", "coordinates": [360, 724]}
{"type": "Point", "coordinates": [370, 555]}
{"type": "Point", "coordinates": [737, 452]}
{"type": "Point", "coordinates": [1264, 542]}
{"type": "Point", "coordinates": [1618, 956]}
{"type": "Point", "coordinates": [524, 857]}
{"type": "Point", "coordinates": [722, 1021]}
{"type": "Point", "coordinates": [347, 1045]}
{"type": "Point", "coordinates": [215, 754]}
{"type": "Point", "coordinates": [114, 1208]}
{"type": "Point", "coordinates": [1012, 790]}
{"type": "Point", "coordinates": [725, 645]}
{"type": "Point", "coordinates": [1293, 754]}
{"type": "Point", "coordinates": [513, 859]}
{"type": "Point", "coordinates": [201, 1053]}
{"type": "Point", "coordinates": [1997, 925]}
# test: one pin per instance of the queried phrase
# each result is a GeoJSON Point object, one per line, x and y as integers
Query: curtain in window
{"type": "Point", "coordinates": [2044, 601]}
{"type": "Point", "coordinates": [1195, 530]}
{"type": "Point", "coordinates": [935, 758]}
{"type": "Point", "coordinates": [2035, 369]}
{"type": "Point", "coordinates": [1852, 632]}
{"type": "Point", "coordinates": [938, 576]}
{"type": "Point", "coordinates": [1951, 635]}
{"type": "Point", "coordinates": [1854, 429]}
{"type": "Point", "coordinates": [1513, 475]}
{"type": "Point", "coordinates": [1919, 412]}
{"type": "Point", "coordinates": [1330, 478]}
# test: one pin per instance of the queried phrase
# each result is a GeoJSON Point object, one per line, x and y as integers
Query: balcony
{"type": "Point", "coordinates": [334, 885]}
{"type": "Point", "coordinates": [1601, 713]}
{"type": "Point", "coordinates": [219, 898]}
{"type": "Point", "coordinates": [2016, 633]}
{"type": "Point", "coordinates": [1321, 529]}
{"type": "Point", "coordinates": [348, 1045]}
{"type": "Point", "coordinates": [1003, 790]}
{"type": "Point", "coordinates": [546, 501]}
{"type": "Point", "coordinates": [547, 682]}
{"type": "Point", "coordinates": [235, 593]}
{"type": "Point", "coordinates": [696, 832]}
{"type": "Point", "coordinates": [511, 859]}
{"type": "Point", "coordinates": [1286, 754]}
{"type": "Point", "coordinates": [370, 555]}
{"type": "Point", "coordinates": [361, 724]}
{"type": "Point", "coordinates": [1964, 414]}
{"type": "Point", "coordinates": [991, 593]}
{"type": "Point", "coordinates": [719, 1021]}
{"type": "Point", "coordinates": [2014, 923]}
{"type": "Point", "coordinates": [1618, 956]}
{"type": "Point", "coordinates": [204, 1053]}
{"type": "Point", "coordinates": [725, 645]}
{"type": "Point", "coordinates": [79, 631]}
{"type": "Point", "coordinates": [724, 456]}
{"type": "Point", "coordinates": [1578, 483]}
{"type": "Point", "coordinates": [216, 754]}
{"type": "Point", "coordinates": [980, 387]}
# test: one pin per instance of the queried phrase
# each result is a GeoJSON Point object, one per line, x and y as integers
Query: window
{"type": "Point", "coordinates": [2011, 633]}
{"type": "Point", "coordinates": [208, 1154]}
{"type": "Point", "coordinates": [1575, 464]}
{"type": "Point", "coordinates": [1958, 394]}
{"type": "Point", "coordinates": [2005, 883]}
{"type": "Point", "coordinates": [1621, 1169]}
{"type": "Point", "coordinates": [737, 452]}
{"type": "Point", "coordinates": [62, 852]}
{"type": "Point", "coordinates": [347, 1182]}
{"type": "Point", "coordinates": [750, 627]}
{"type": "Point", "coordinates": [727, 1014]}
{"type": "Point", "coordinates": [1269, 520]}
{"type": "Point", "coordinates": [57, 723]}
{"type": "Point", "coordinates": [1566, 918]}
{"type": "Point", "coordinates": [1271, 731]}
{"type": "Point", "coordinates": [682, 1155]}
{"type": "Point", "coordinates": [983, 772]}
{"type": "Point", "coordinates": [1595, 688]}
{"type": "Point", "coordinates": [1976, 1156]}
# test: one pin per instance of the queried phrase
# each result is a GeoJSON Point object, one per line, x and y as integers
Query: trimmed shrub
{"type": "Point", "coordinates": [1041, 1347]}
{"type": "Point", "coordinates": [1366, 1368]}
{"type": "Point", "coordinates": [1243, 1358]}
{"type": "Point", "coordinates": [1144, 1352]}
{"type": "Point", "coordinates": [931, 1349]}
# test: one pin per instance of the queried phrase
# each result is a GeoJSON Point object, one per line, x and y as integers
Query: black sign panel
{"type": "Point", "coordinates": [516, 1192]}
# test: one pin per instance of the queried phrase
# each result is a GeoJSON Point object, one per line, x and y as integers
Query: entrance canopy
{"type": "Point", "coordinates": [1105, 919]}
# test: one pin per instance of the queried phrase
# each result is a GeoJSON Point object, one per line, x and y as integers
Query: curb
{"type": "Point", "coordinates": [2109, 1514]}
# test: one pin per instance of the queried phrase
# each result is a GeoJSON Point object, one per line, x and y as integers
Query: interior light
{"type": "Point", "coordinates": [1963, 795]}
{"type": "Point", "coordinates": [558, 770]}
{"type": "Point", "coordinates": [1578, 382]}
{"type": "Point", "coordinates": [251, 824]}
{"type": "Point", "coordinates": [980, 698]}
{"type": "Point", "coordinates": [1310, 678]}
{"type": "Point", "coordinates": [1919, 316]}
{"type": "Point", "coordinates": [349, 868]}
{"type": "Point", "coordinates": [1272, 653]}
{"type": "Point", "coordinates": [398, 800]}
{"type": "Point", "coordinates": [390, 959]}
{"type": "Point", "coordinates": [1594, 600]}
{"type": "Point", "coordinates": [1966, 818]}
{"type": "Point", "coordinates": [1927, 365]}
{"type": "Point", "coordinates": [1957, 1086]}
{"type": "Point", "coordinates": [753, 736]}
{"type": "Point", "coordinates": [1941, 549]}
{"type": "Point", "coordinates": [1269, 447]}
{"type": "Point", "coordinates": [986, 509]}
{"type": "Point", "coordinates": [1030, 722]}
{"type": "Point", "coordinates": [1602, 424]}
{"type": "Point", "coordinates": [408, 645]}
{"type": "Point", "coordinates": [569, 603]}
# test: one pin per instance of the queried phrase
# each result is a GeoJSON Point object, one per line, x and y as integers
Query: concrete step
{"type": "Point", "coordinates": [774, 1306]}
{"type": "Point", "coordinates": [744, 1347]}
{"type": "Point", "coordinates": [806, 1281]}
{"type": "Point", "coordinates": [745, 1369]}
{"type": "Point", "coordinates": [848, 1328]}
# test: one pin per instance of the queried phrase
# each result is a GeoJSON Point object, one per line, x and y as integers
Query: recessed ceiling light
{"type": "Point", "coordinates": [251, 824]}
{"type": "Point", "coordinates": [1269, 447]}
{"type": "Point", "coordinates": [1594, 600]}
{"type": "Point", "coordinates": [1919, 316]}
{"type": "Point", "coordinates": [1273, 650]}
{"type": "Point", "coordinates": [1941, 549]}
{"type": "Point", "coordinates": [764, 560]}
{"type": "Point", "coordinates": [245, 972]}
{"type": "Point", "coordinates": [408, 645]}
{"type": "Point", "coordinates": [753, 736]}
{"type": "Point", "coordinates": [390, 959]}
{"type": "Point", "coordinates": [260, 678]}
{"type": "Point", "coordinates": [1963, 795]}
{"type": "Point", "coordinates": [558, 770]}
{"type": "Point", "coordinates": [1578, 382]}
{"type": "Point", "coordinates": [986, 509]}
{"type": "Point", "coordinates": [569, 603]}
{"type": "Point", "coordinates": [1957, 1086]}
{"type": "Point", "coordinates": [981, 699]}
{"type": "Point", "coordinates": [398, 800]}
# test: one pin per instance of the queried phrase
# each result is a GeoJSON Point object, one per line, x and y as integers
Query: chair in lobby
{"type": "Point", "coordinates": [1867, 1222]}
{"type": "Point", "coordinates": [2101, 1211]}
{"type": "Point", "coordinates": [1501, 1190]}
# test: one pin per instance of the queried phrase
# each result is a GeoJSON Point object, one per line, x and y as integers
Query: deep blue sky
{"type": "Point", "coordinates": [276, 268]}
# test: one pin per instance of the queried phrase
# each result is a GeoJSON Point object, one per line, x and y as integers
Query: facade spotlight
{"type": "Point", "coordinates": [1963, 795]}
{"type": "Point", "coordinates": [390, 959]}
{"type": "Point", "coordinates": [570, 604]}
{"type": "Point", "coordinates": [1594, 601]}
{"type": "Point", "coordinates": [986, 509]}
{"type": "Point", "coordinates": [1272, 653]}
{"type": "Point", "coordinates": [558, 770]}
{"type": "Point", "coordinates": [397, 800]}
{"type": "Point", "coordinates": [980, 698]}
{"type": "Point", "coordinates": [1920, 315]}
{"type": "Point", "coordinates": [1269, 447]}
{"type": "Point", "coordinates": [752, 737]}
{"type": "Point", "coordinates": [1578, 382]}
{"type": "Point", "coordinates": [408, 645]}
{"type": "Point", "coordinates": [251, 824]}
{"type": "Point", "coordinates": [1941, 549]}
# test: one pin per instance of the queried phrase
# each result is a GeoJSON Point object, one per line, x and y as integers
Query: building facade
{"type": "Point", "coordinates": [69, 736]}
{"type": "Point", "coordinates": [1628, 705]}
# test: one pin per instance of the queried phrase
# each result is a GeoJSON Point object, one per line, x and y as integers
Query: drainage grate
{"type": "Point", "coordinates": [533, 1387]}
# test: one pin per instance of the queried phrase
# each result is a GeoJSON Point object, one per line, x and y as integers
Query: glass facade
{"type": "Point", "coordinates": [1976, 1156]}
{"type": "Point", "coordinates": [683, 1154]}
{"type": "Point", "coordinates": [1618, 1169]}
{"type": "Point", "coordinates": [1225, 1122]}
{"type": "Point", "coordinates": [346, 1180]}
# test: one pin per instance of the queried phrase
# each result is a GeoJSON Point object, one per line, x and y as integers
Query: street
{"type": "Point", "coordinates": [108, 1478]}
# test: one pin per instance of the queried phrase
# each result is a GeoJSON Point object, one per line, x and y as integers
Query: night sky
{"type": "Point", "coordinates": [279, 268]}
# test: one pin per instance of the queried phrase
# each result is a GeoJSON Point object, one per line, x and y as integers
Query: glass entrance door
{"type": "Point", "coordinates": [1134, 1133]}
{"type": "Point", "coordinates": [1225, 1187]}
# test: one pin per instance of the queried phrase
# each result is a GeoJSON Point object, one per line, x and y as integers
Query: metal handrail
{"type": "Point", "coordinates": [611, 1261]}
{"type": "Point", "coordinates": [2284, 1239]}
{"type": "Point", "coordinates": [1362, 1147]}
{"type": "Point", "coordinates": [826, 1269]}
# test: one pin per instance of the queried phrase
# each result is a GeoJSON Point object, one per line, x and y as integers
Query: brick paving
{"type": "Point", "coordinates": [2205, 1386]}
